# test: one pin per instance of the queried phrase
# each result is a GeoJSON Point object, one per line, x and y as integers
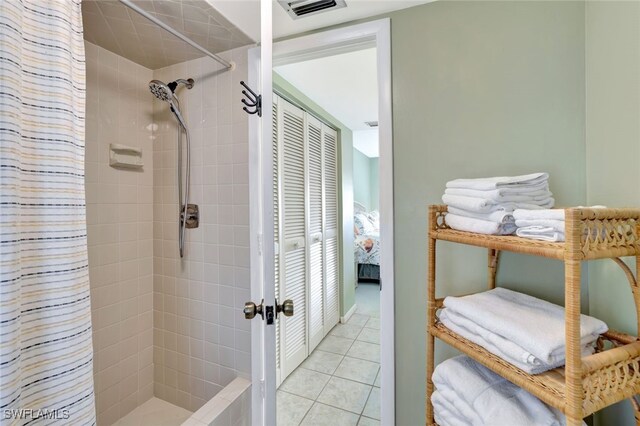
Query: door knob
{"type": "Point", "coordinates": [286, 308]}
{"type": "Point", "coordinates": [251, 310]}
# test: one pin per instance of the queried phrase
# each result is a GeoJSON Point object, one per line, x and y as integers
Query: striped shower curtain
{"type": "Point", "coordinates": [45, 317]}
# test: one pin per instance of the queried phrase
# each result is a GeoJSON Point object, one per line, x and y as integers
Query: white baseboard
{"type": "Point", "coordinates": [346, 317]}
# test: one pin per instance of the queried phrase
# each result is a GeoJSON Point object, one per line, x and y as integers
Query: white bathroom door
{"type": "Point", "coordinates": [262, 308]}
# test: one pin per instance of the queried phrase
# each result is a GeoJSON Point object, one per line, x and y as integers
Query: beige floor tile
{"type": "Point", "coordinates": [347, 331]}
{"type": "Point", "coordinates": [305, 383]}
{"type": "Point", "coordinates": [373, 323]}
{"type": "Point", "coordinates": [358, 319]}
{"type": "Point", "coordinates": [364, 350]}
{"type": "Point", "coordinates": [369, 335]}
{"type": "Point", "coordinates": [336, 345]}
{"type": "Point", "coordinates": [377, 382]}
{"type": "Point", "coordinates": [357, 369]}
{"type": "Point", "coordinates": [323, 362]}
{"type": "Point", "coordinates": [324, 415]}
{"type": "Point", "coordinates": [366, 421]}
{"type": "Point", "coordinates": [346, 394]}
{"type": "Point", "coordinates": [291, 409]}
{"type": "Point", "coordinates": [372, 408]}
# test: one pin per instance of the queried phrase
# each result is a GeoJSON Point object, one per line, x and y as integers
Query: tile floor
{"type": "Point", "coordinates": [155, 412]}
{"type": "Point", "coordinates": [339, 383]}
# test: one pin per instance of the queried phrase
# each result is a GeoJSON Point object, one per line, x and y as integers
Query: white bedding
{"type": "Point", "coordinates": [367, 248]}
{"type": "Point", "coordinates": [367, 237]}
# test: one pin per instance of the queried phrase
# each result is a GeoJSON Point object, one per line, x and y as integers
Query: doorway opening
{"type": "Point", "coordinates": [329, 354]}
{"type": "Point", "coordinates": [342, 366]}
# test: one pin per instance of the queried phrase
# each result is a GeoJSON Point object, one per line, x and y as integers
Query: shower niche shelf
{"type": "Point", "coordinates": [125, 157]}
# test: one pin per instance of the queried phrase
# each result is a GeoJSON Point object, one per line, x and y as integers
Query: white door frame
{"type": "Point", "coordinates": [369, 34]}
{"type": "Point", "coordinates": [263, 365]}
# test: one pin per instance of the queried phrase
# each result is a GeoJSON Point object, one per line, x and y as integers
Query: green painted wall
{"type": "Point", "coordinates": [362, 179]}
{"type": "Point", "coordinates": [613, 151]}
{"type": "Point", "coordinates": [345, 187]}
{"type": "Point", "coordinates": [490, 88]}
{"type": "Point", "coordinates": [374, 171]}
{"type": "Point", "coordinates": [479, 89]}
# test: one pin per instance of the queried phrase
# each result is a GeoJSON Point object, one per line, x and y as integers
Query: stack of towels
{"type": "Point", "coordinates": [485, 205]}
{"type": "Point", "coordinates": [523, 330]}
{"type": "Point", "coordinates": [468, 393]}
{"type": "Point", "coordinates": [544, 225]}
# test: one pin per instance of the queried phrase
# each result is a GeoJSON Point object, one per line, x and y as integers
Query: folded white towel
{"type": "Point", "coordinates": [507, 190]}
{"type": "Point", "coordinates": [499, 216]}
{"type": "Point", "coordinates": [499, 182]}
{"type": "Point", "coordinates": [484, 205]}
{"type": "Point", "coordinates": [445, 413]}
{"type": "Point", "coordinates": [557, 225]}
{"type": "Point", "coordinates": [506, 349]}
{"type": "Point", "coordinates": [544, 214]}
{"type": "Point", "coordinates": [538, 214]}
{"type": "Point", "coordinates": [541, 233]}
{"type": "Point", "coordinates": [498, 195]}
{"type": "Point", "coordinates": [537, 326]}
{"type": "Point", "coordinates": [470, 224]}
{"type": "Point", "coordinates": [484, 398]}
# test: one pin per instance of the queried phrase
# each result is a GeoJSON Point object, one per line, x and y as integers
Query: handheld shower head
{"type": "Point", "coordinates": [166, 92]}
{"type": "Point", "coordinates": [161, 90]}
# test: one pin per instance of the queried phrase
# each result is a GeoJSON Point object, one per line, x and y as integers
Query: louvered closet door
{"type": "Point", "coordinates": [294, 329]}
{"type": "Point", "coordinates": [331, 261]}
{"type": "Point", "coordinates": [315, 234]}
{"type": "Point", "coordinates": [277, 231]}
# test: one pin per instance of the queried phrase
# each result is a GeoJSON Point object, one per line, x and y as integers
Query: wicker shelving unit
{"type": "Point", "coordinates": [584, 385]}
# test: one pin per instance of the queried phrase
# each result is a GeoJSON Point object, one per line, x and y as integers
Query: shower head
{"type": "Point", "coordinates": [165, 92]}
{"type": "Point", "coordinates": [161, 90]}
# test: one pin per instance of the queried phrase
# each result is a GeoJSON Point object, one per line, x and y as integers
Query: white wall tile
{"type": "Point", "coordinates": [170, 324]}
{"type": "Point", "coordinates": [118, 206]}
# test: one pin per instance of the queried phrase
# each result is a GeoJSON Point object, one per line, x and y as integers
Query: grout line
{"type": "Point", "coordinates": [366, 402]}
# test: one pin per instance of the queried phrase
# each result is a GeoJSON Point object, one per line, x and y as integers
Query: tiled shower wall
{"type": "Point", "coordinates": [120, 233]}
{"type": "Point", "coordinates": [201, 340]}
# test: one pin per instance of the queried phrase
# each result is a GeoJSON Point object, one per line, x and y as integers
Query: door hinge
{"type": "Point", "coordinates": [262, 388]}
{"type": "Point", "coordinates": [260, 244]}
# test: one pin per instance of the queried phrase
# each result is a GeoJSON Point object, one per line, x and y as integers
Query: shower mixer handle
{"type": "Point", "coordinates": [193, 216]}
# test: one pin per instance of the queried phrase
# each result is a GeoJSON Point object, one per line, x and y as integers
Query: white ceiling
{"type": "Point", "coordinates": [245, 14]}
{"type": "Point", "coordinates": [366, 141]}
{"type": "Point", "coordinates": [344, 85]}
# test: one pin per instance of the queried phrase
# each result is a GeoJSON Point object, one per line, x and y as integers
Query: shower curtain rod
{"type": "Point", "coordinates": [228, 65]}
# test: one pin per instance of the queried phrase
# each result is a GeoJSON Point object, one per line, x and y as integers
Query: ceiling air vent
{"type": "Point", "coordinates": [371, 123]}
{"type": "Point", "coordinates": [302, 8]}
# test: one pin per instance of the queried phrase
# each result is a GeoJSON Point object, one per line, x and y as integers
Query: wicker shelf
{"type": "Point", "coordinates": [584, 385]}
{"type": "Point", "coordinates": [500, 242]}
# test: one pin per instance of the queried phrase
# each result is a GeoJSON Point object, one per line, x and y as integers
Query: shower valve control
{"type": "Point", "coordinates": [193, 216]}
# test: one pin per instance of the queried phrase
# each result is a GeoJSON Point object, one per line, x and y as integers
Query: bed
{"type": "Point", "coordinates": [366, 243]}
